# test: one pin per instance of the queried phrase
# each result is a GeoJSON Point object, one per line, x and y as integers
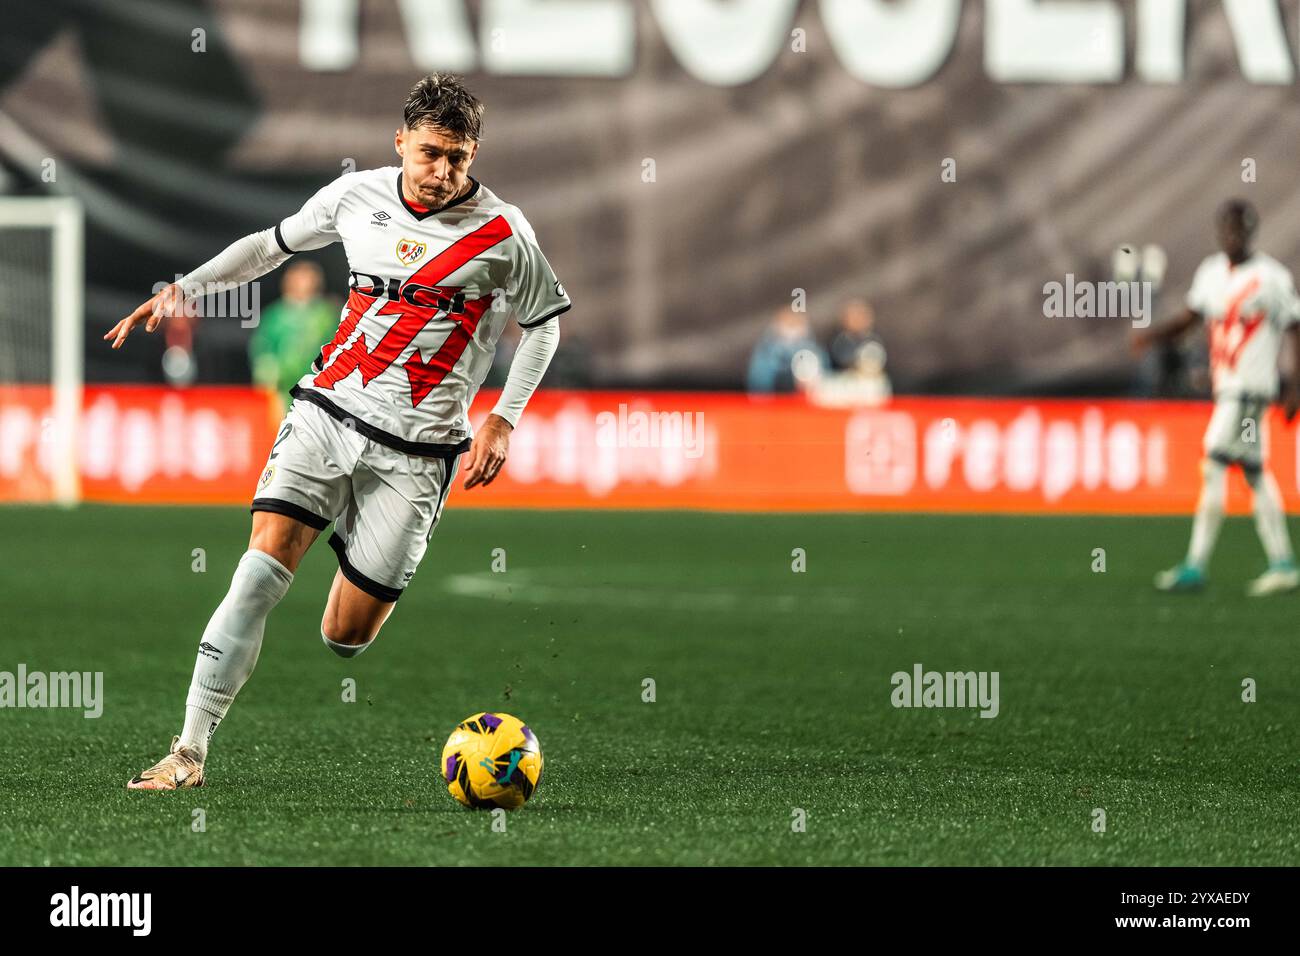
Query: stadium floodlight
{"type": "Point", "coordinates": [42, 256]}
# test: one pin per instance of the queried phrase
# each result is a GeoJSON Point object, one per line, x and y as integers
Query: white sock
{"type": "Point", "coordinates": [1209, 514]}
{"type": "Point", "coordinates": [345, 650]}
{"type": "Point", "coordinates": [231, 643]}
{"type": "Point", "coordinates": [1270, 518]}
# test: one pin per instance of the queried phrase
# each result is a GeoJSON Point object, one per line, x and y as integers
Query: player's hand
{"type": "Point", "coordinates": [1291, 401]}
{"type": "Point", "coordinates": [167, 304]}
{"type": "Point", "coordinates": [487, 453]}
{"type": "Point", "coordinates": [1140, 341]}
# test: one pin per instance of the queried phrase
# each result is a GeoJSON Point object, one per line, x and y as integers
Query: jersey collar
{"type": "Point", "coordinates": [422, 212]}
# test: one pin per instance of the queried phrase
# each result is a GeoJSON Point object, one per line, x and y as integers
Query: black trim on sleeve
{"type": "Point", "coordinates": [290, 510]}
{"type": "Point", "coordinates": [369, 585]}
{"type": "Point", "coordinates": [425, 449]}
{"type": "Point", "coordinates": [546, 318]}
{"type": "Point", "coordinates": [279, 238]}
{"type": "Point", "coordinates": [473, 191]}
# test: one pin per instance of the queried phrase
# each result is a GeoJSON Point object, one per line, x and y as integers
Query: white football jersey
{"type": "Point", "coordinates": [1247, 307]}
{"type": "Point", "coordinates": [430, 293]}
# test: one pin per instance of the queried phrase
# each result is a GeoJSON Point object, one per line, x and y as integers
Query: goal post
{"type": "Point", "coordinates": [42, 314]}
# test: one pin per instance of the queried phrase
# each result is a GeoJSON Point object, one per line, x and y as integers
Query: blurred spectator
{"type": "Point", "coordinates": [857, 328]}
{"type": "Point", "coordinates": [864, 384]}
{"type": "Point", "coordinates": [787, 357]}
{"type": "Point", "coordinates": [293, 328]}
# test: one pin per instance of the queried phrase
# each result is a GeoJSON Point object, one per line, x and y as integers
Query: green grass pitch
{"type": "Point", "coordinates": [772, 693]}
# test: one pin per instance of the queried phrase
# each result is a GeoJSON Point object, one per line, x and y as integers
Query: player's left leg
{"type": "Point", "coordinates": [380, 539]}
{"type": "Point", "coordinates": [1270, 523]}
{"type": "Point", "coordinates": [352, 617]}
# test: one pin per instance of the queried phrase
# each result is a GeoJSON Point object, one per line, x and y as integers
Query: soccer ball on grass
{"type": "Point", "coordinates": [492, 760]}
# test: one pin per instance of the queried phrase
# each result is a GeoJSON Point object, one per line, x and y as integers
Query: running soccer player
{"type": "Point", "coordinates": [372, 439]}
{"type": "Point", "coordinates": [1249, 300]}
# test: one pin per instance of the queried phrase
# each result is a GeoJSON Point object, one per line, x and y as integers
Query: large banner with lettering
{"type": "Point", "coordinates": [141, 444]}
{"type": "Point", "coordinates": [689, 165]}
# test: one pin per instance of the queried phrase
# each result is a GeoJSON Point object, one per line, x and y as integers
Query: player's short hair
{"type": "Point", "coordinates": [440, 100]}
{"type": "Point", "coordinates": [1242, 210]}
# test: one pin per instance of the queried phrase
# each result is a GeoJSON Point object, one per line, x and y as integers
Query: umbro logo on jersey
{"type": "Point", "coordinates": [381, 218]}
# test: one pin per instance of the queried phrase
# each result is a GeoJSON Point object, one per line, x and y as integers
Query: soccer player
{"type": "Point", "coordinates": [439, 264]}
{"type": "Point", "coordinates": [1249, 301]}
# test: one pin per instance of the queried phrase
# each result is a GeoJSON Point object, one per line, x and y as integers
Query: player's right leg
{"type": "Point", "coordinates": [1189, 575]}
{"type": "Point", "coordinates": [230, 646]}
{"type": "Point", "coordinates": [300, 491]}
{"type": "Point", "coordinates": [1222, 446]}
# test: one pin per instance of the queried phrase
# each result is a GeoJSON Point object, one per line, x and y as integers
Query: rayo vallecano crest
{"type": "Point", "coordinates": [409, 251]}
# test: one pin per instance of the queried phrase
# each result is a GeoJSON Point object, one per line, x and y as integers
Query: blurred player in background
{"type": "Point", "coordinates": [1249, 301]}
{"type": "Point", "coordinates": [438, 265]}
{"type": "Point", "coordinates": [291, 329]}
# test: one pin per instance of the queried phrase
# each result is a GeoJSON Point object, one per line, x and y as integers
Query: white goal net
{"type": "Point", "coordinates": [41, 315]}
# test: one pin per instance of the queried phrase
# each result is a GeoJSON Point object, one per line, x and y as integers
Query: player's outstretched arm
{"type": "Point", "coordinates": [1165, 332]}
{"type": "Point", "coordinates": [242, 261]}
{"type": "Point", "coordinates": [167, 304]}
{"type": "Point", "coordinates": [1291, 384]}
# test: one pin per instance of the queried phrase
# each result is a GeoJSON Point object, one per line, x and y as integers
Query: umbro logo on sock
{"type": "Point", "coordinates": [209, 650]}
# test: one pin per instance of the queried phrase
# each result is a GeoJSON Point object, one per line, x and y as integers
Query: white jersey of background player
{"type": "Point", "coordinates": [1248, 300]}
{"type": "Point", "coordinates": [438, 265]}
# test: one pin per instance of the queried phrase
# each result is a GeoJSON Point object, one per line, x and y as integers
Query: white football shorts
{"type": "Point", "coordinates": [1238, 431]}
{"type": "Point", "coordinates": [384, 503]}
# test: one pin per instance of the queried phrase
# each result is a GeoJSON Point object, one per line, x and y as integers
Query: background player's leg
{"type": "Point", "coordinates": [1209, 514]}
{"type": "Point", "coordinates": [352, 617]}
{"type": "Point", "coordinates": [233, 637]}
{"type": "Point", "coordinates": [1270, 518]}
{"type": "Point", "coordinates": [1190, 575]}
{"type": "Point", "coordinates": [1270, 522]}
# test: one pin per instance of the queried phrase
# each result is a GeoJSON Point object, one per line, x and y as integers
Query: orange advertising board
{"type": "Point", "coordinates": [733, 452]}
{"type": "Point", "coordinates": [142, 443]}
{"type": "Point", "coordinates": [717, 451]}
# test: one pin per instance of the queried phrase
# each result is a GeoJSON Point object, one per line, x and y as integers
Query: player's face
{"type": "Point", "coordinates": [1234, 237]}
{"type": "Point", "coordinates": [435, 165]}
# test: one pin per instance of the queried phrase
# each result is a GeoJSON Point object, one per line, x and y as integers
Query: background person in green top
{"type": "Point", "coordinates": [292, 329]}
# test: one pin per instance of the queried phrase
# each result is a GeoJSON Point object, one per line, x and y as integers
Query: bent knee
{"type": "Point", "coordinates": [352, 619]}
{"type": "Point", "coordinates": [346, 632]}
{"type": "Point", "coordinates": [346, 643]}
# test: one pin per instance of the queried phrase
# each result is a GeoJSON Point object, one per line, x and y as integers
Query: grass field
{"type": "Point", "coordinates": [772, 693]}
